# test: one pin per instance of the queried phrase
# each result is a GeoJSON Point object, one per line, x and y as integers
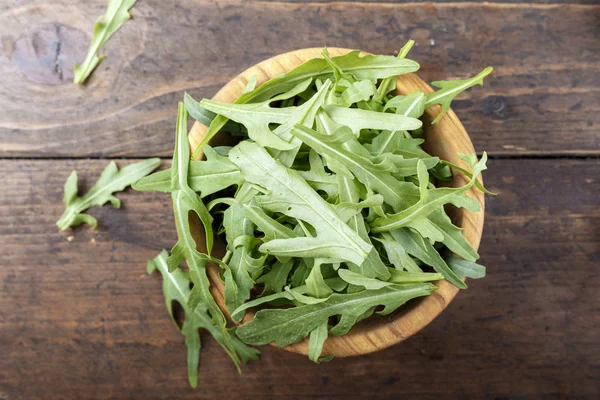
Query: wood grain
{"type": "Point", "coordinates": [446, 139]}
{"type": "Point", "coordinates": [541, 99]}
{"type": "Point", "coordinates": [81, 319]}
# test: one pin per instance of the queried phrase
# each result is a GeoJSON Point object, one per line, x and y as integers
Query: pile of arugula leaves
{"type": "Point", "coordinates": [328, 206]}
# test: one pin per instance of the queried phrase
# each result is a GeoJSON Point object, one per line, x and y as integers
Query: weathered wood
{"type": "Point", "coordinates": [79, 318]}
{"type": "Point", "coordinates": [542, 97]}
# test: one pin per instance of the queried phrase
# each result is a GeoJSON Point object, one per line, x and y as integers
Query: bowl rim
{"type": "Point", "coordinates": [374, 333]}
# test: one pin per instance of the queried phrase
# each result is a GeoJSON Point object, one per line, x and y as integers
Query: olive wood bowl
{"type": "Point", "coordinates": [444, 139]}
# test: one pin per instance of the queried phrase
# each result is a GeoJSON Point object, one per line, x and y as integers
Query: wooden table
{"type": "Point", "coordinates": [80, 319]}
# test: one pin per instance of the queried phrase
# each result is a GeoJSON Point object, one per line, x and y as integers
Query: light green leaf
{"type": "Point", "coordinates": [466, 269]}
{"type": "Point", "coordinates": [276, 279]}
{"type": "Point", "coordinates": [357, 92]}
{"type": "Point", "coordinates": [396, 253]}
{"type": "Point", "coordinates": [431, 200]}
{"type": "Point", "coordinates": [257, 117]}
{"type": "Point", "coordinates": [365, 67]}
{"type": "Point", "coordinates": [413, 277]}
{"type": "Point", "coordinates": [291, 195]}
{"type": "Point", "coordinates": [270, 227]}
{"type": "Point", "coordinates": [357, 119]}
{"type": "Point", "coordinates": [389, 84]}
{"type": "Point", "coordinates": [412, 105]}
{"type": "Point", "coordinates": [111, 180]}
{"type": "Point", "coordinates": [318, 336]}
{"type": "Point", "coordinates": [450, 89]}
{"type": "Point", "coordinates": [360, 164]}
{"type": "Point", "coordinates": [287, 326]}
{"type": "Point", "coordinates": [117, 13]}
{"type": "Point", "coordinates": [176, 288]}
{"type": "Point", "coordinates": [469, 175]}
{"type": "Point", "coordinates": [315, 284]}
{"type": "Point", "coordinates": [250, 86]}
{"type": "Point", "coordinates": [422, 249]}
{"type": "Point", "coordinates": [204, 177]}
{"type": "Point", "coordinates": [357, 279]}
{"type": "Point", "coordinates": [318, 178]}
{"type": "Point", "coordinates": [453, 237]}
{"type": "Point", "coordinates": [205, 117]}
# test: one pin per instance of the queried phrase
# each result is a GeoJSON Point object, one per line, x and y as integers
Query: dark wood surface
{"type": "Point", "coordinates": [80, 319]}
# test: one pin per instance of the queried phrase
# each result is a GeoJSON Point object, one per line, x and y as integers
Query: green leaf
{"type": "Point", "coordinates": [176, 288]}
{"type": "Point", "coordinates": [357, 279]}
{"type": "Point", "coordinates": [204, 177]}
{"type": "Point", "coordinates": [257, 117]}
{"type": "Point", "coordinates": [469, 175]}
{"type": "Point", "coordinates": [251, 85]}
{"type": "Point", "coordinates": [389, 84]}
{"type": "Point", "coordinates": [111, 180]}
{"type": "Point", "coordinates": [408, 166]}
{"type": "Point", "coordinates": [289, 194]}
{"type": "Point", "coordinates": [357, 160]}
{"type": "Point", "coordinates": [276, 279]}
{"type": "Point", "coordinates": [412, 105]}
{"type": "Point", "coordinates": [466, 269]}
{"type": "Point", "coordinates": [185, 200]}
{"type": "Point", "coordinates": [357, 119]}
{"type": "Point", "coordinates": [413, 277]}
{"type": "Point", "coordinates": [315, 284]}
{"type": "Point", "coordinates": [270, 227]}
{"type": "Point", "coordinates": [205, 117]}
{"type": "Point", "coordinates": [366, 67]}
{"type": "Point", "coordinates": [373, 267]}
{"type": "Point", "coordinates": [318, 178]}
{"type": "Point", "coordinates": [117, 13]}
{"type": "Point", "coordinates": [453, 237]}
{"type": "Point", "coordinates": [396, 253]}
{"type": "Point", "coordinates": [318, 336]}
{"type": "Point", "coordinates": [287, 326]}
{"type": "Point", "coordinates": [416, 215]}
{"type": "Point", "coordinates": [422, 249]}
{"type": "Point", "coordinates": [238, 277]}
{"type": "Point", "coordinates": [450, 89]}
{"type": "Point", "coordinates": [357, 92]}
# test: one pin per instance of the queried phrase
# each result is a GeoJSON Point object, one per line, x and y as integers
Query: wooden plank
{"type": "Point", "coordinates": [79, 318]}
{"type": "Point", "coordinates": [542, 98]}
{"type": "Point", "coordinates": [510, 2]}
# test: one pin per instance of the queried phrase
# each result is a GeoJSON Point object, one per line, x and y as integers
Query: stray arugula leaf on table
{"type": "Point", "coordinates": [117, 13]}
{"type": "Point", "coordinates": [111, 180]}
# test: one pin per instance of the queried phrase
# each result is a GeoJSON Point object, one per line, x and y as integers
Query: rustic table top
{"type": "Point", "coordinates": [79, 317]}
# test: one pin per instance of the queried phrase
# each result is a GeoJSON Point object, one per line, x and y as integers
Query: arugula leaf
{"type": "Point", "coordinates": [416, 246]}
{"type": "Point", "coordinates": [396, 253]}
{"type": "Point", "coordinates": [318, 336]}
{"type": "Point", "coordinates": [450, 89]}
{"type": "Point", "coordinates": [416, 215]}
{"type": "Point", "coordinates": [318, 178]}
{"type": "Point", "coordinates": [389, 84]}
{"type": "Point", "coordinates": [204, 177]}
{"type": "Point", "coordinates": [257, 117]}
{"type": "Point", "coordinates": [365, 67]}
{"type": "Point", "coordinates": [111, 180]}
{"type": "Point", "coordinates": [289, 194]}
{"type": "Point", "coordinates": [357, 119]}
{"type": "Point", "coordinates": [116, 15]}
{"type": "Point", "coordinates": [287, 326]}
{"type": "Point", "coordinates": [359, 162]}
{"type": "Point", "coordinates": [276, 279]}
{"type": "Point", "coordinates": [176, 288]}
{"type": "Point", "coordinates": [315, 284]}
{"type": "Point", "coordinates": [238, 279]}
{"type": "Point", "coordinates": [465, 268]}
{"type": "Point", "coordinates": [453, 237]}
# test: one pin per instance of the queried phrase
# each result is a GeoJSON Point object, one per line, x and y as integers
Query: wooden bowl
{"type": "Point", "coordinates": [444, 139]}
